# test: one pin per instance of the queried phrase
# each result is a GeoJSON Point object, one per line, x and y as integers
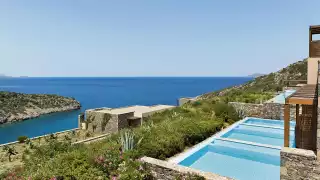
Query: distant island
{"type": "Point", "coordinates": [256, 75]}
{"type": "Point", "coordinates": [19, 106]}
{"type": "Point", "coordinates": [4, 76]}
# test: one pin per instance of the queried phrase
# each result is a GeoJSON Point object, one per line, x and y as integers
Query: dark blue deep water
{"type": "Point", "coordinates": [103, 92]}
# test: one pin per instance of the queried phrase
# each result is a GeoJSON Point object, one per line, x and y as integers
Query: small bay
{"type": "Point", "coordinates": [103, 92]}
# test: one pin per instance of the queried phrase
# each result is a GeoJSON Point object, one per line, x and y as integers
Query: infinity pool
{"type": "Point", "coordinates": [248, 150]}
{"type": "Point", "coordinates": [282, 96]}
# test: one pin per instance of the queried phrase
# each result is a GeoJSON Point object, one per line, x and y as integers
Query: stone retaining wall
{"type": "Point", "coordinates": [93, 139]}
{"type": "Point", "coordinates": [299, 164]}
{"type": "Point", "coordinates": [167, 171]}
{"type": "Point", "coordinates": [266, 110]}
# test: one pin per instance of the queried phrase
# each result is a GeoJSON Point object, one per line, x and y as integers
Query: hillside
{"type": "Point", "coordinates": [265, 84]}
{"type": "Point", "coordinates": [19, 106]}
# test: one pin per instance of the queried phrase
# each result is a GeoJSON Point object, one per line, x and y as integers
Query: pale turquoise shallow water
{"type": "Point", "coordinates": [274, 123]}
{"type": "Point", "coordinates": [260, 135]}
{"type": "Point", "coordinates": [243, 161]}
{"type": "Point", "coordinates": [282, 96]}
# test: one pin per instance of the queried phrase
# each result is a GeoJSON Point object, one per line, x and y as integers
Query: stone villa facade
{"type": "Point", "coordinates": [111, 120]}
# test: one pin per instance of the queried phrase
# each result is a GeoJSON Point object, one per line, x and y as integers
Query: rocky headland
{"type": "Point", "coordinates": [20, 106]}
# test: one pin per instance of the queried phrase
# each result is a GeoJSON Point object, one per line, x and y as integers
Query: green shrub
{"type": "Point", "coordinates": [109, 161]}
{"type": "Point", "coordinates": [165, 135]}
{"type": "Point", "coordinates": [88, 134]}
{"type": "Point", "coordinates": [22, 139]}
{"type": "Point", "coordinates": [10, 151]}
{"type": "Point", "coordinates": [74, 164]}
{"type": "Point", "coordinates": [171, 137]}
{"type": "Point", "coordinates": [226, 112]}
{"type": "Point", "coordinates": [196, 103]}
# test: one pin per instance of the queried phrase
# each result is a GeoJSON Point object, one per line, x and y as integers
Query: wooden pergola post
{"type": "Point", "coordinates": [306, 122]}
{"type": "Point", "coordinates": [297, 111]}
{"type": "Point", "coordinates": [286, 125]}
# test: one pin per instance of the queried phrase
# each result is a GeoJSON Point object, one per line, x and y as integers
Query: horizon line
{"type": "Point", "coordinates": [8, 77]}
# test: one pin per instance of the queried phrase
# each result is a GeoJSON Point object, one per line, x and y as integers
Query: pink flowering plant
{"type": "Point", "coordinates": [15, 174]}
{"type": "Point", "coordinates": [119, 165]}
{"type": "Point", "coordinates": [109, 161]}
{"type": "Point", "coordinates": [133, 169]}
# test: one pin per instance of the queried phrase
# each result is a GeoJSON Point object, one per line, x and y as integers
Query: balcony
{"type": "Point", "coordinates": [314, 45]}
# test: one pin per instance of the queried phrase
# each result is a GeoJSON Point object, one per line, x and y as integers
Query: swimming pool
{"type": "Point", "coordinates": [282, 96]}
{"type": "Point", "coordinates": [249, 149]}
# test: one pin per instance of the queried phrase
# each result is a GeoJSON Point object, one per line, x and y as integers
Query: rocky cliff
{"type": "Point", "coordinates": [19, 106]}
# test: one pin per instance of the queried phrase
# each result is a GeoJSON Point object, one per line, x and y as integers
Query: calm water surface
{"type": "Point", "coordinates": [103, 92]}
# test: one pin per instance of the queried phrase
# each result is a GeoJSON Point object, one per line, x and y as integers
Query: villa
{"type": "Point", "coordinates": [112, 120]}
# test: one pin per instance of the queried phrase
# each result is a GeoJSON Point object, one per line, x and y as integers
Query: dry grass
{"type": "Point", "coordinates": [16, 160]}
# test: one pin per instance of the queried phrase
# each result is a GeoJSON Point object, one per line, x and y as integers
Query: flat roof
{"type": "Point", "coordinates": [138, 110]}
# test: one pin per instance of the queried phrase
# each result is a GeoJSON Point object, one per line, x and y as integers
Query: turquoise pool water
{"type": "Point", "coordinates": [249, 150]}
{"type": "Point", "coordinates": [282, 96]}
{"type": "Point", "coordinates": [260, 135]}
{"type": "Point", "coordinates": [273, 123]}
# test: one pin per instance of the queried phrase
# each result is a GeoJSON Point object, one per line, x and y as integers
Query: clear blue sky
{"type": "Point", "coordinates": [153, 37]}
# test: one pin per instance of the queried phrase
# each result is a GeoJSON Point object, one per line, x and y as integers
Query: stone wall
{"type": "Point", "coordinates": [103, 121]}
{"type": "Point", "coordinates": [112, 125]}
{"type": "Point", "coordinates": [299, 164]}
{"type": "Point", "coordinates": [266, 110]}
{"type": "Point", "coordinates": [167, 171]}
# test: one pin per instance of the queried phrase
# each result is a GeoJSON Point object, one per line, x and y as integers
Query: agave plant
{"type": "Point", "coordinates": [128, 141]}
{"type": "Point", "coordinates": [241, 111]}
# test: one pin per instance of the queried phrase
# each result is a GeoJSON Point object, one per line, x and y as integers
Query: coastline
{"type": "Point", "coordinates": [35, 113]}
{"type": "Point", "coordinates": [93, 93]}
{"type": "Point", "coordinates": [16, 107]}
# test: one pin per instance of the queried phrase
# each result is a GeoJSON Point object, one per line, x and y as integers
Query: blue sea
{"type": "Point", "coordinates": [103, 92]}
